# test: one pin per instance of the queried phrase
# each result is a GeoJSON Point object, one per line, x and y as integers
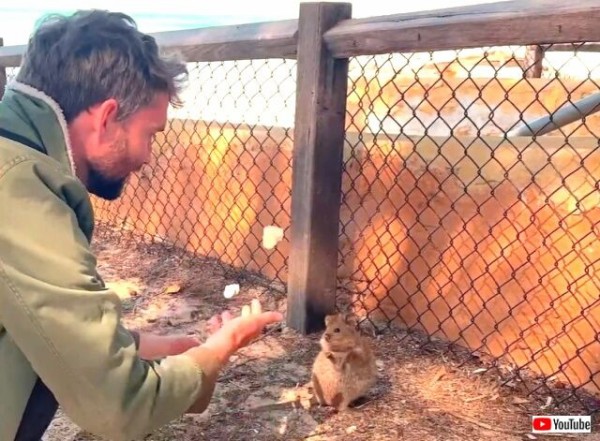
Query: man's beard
{"type": "Point", "coordinates": [103, 187]}
{"type": "Point", "coordinates": [102, 184]}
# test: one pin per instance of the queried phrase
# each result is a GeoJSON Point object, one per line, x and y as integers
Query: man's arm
{"type": "Point", "coordinates": [67, 323]}
{"type": "Point", "coordinates": [153, 346]}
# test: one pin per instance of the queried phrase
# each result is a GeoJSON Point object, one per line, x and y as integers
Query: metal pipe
{"type": "Point", "coordinates": [567, 114]}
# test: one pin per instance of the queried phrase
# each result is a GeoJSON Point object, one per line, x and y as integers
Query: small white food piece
{"type": "Point", "coordinates": [231, 291]}
{"type": "Point", "coordinates": [272, 235]}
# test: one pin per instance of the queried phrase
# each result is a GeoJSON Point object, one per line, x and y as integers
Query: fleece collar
{"type": "Point", "coordinates": [39, 118]}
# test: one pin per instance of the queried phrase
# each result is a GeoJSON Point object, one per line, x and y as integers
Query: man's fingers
{"type": "Point", "coordinates": [267, 318]}
{"type": "Point", "coordinates": [246, 311]}
{"type": "Point", "coordinates": [213, 324]}
{"type": "Point", "coordinates": [255, 306]}
{"type": "Point", "coordinates": [226, 316]}
{"type": "Point", "coordinates": [216, 322]}
{"type": "Point", "coordinates": [259, 322]}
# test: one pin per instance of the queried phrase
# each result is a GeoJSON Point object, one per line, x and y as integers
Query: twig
{"type": "Point", "coordinates": [439, 374]}
{"type": "Point", "coordinates": [265, 334]}
{"type": "Point", "coordinates": [241, 363]}
{"type": "Point", "coordinates": [312, 435]}
{"type": "Point", "coordinates": [276, 406]}
{"type": "Point", "coordinates": [480, 397]}
{"type": "Point", "coordinates": [478, 423]}
{"type": "Point", "coordinates": [268, 332]}
{"type": "Point", "coordinates": [367, 400]}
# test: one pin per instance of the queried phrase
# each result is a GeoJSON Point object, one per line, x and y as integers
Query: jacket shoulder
{"type": "Point", "coordinates": [25, 172]}
{"type": "Point", "coordinates": [13, 153]}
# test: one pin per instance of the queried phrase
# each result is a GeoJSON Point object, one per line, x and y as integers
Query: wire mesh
{"type": "Point", "coordinates": [11, 73]}
{"type": "Point", "coordinates": [454, 227]}
{"type": "Point", "coordinates": [221, 172]}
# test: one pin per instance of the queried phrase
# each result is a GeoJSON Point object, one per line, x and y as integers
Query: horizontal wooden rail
{"type": "Point", "coordinates": [276, 39]}
{"type": "Point", "coordinates": [524, 22]}
{"type": "Point", "coordinates": [10, 56]}
{"type": "Point", "coordinates": [572, 47]}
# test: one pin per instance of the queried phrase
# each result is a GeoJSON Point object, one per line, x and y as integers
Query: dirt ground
{"type": "Point", "coordinates": [423, 393]}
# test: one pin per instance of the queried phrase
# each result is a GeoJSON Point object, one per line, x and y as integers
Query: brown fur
{"type": "Point", "coordinates": [344, 370]}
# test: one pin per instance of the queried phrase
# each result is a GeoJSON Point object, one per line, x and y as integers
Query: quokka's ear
{"type": "Point", "coordinates": [351, 319]}
{"type": "Point", "coordinates": [329, 319]}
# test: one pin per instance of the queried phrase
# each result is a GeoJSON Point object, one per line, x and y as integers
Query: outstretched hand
{"type": "Point", "coordinates": [229, 333]}
{"type": "Point", "coordinates": [157, 346]}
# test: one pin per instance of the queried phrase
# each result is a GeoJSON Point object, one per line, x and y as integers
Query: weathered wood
{"type": "Point", "coordinates": [277, 39]}
{"type": "Point", "coordinates": [534, 62]}
{"type": "Point", "coordinates": [2, 74]}
{"type": "Point", "coordinates": [520, 22]}
{"type": "Point", "coordinates": [523, 22]}
{"type": "Point", "coordinates": [317, 171]}
{"type": "Point", "coordinates": [10, 56]}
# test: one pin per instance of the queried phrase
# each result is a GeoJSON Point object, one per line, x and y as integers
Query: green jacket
{"type": "Point", "coordinates": [58, 321]}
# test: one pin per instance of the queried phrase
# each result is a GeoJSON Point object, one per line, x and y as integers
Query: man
{"type": "Point", "coordinates": [91, 93]}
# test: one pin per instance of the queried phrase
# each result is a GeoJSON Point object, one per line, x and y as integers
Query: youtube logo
{"type": "Point", "coordinates": [561, 424]}
{"type": "Point", "coordinates": [541, 424]}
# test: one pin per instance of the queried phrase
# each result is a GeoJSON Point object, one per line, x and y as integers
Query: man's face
{"type": "Point", "coordinates": [123, 147]}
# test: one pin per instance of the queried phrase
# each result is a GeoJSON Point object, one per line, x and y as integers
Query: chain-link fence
{"type": "Point", "coordinates": [454, 227]}
{"type": "Point", "coordinates": [451, 225]}
{"type": "Point", "coordinates": [221, 171]}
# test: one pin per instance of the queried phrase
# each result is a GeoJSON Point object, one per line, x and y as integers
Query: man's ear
{"type": "Point", "coordinates": [105, 118]}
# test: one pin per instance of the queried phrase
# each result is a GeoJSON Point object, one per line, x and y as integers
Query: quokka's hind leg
{"type": "Point", "coordinates": [340, 402]}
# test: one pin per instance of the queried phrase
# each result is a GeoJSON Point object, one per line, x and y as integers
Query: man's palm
{"type": "Point", "coordinates": [235, 333]}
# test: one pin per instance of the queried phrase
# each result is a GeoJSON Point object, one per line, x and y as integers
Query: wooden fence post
{"type": "Point", "coordinates": [2, 75]}
{"type": "Point", "coordinates": [317, 168]}
{"type": "Point", "coordinates": [534, 61]}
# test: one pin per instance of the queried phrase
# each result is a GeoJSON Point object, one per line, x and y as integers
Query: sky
{"type": "Point", "coordinates": [17, 19]}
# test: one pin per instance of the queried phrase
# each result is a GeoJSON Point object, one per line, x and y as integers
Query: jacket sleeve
{"type": "Point", "coordinates": [67, 324]}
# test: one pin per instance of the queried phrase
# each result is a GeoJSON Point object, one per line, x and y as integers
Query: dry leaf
{"type": "Point", "coordinates": [351, 429]}
{"type": "Point", "coordinates": [173, 289]}
{"type": "Point", "coordinates": [470, 400]}
{"type": "Point", "coordinates": [306, 403]}
{"type": "Point", "coordinates": [439, 374]}
{"type": "Point", "coordinates": [123, 289]}
{"type": "Point", "coordinates": [283, 427]}
{"type": "Point", "coordinates": [518, 400]}
{"type": "Point", "coordinates": [548, 403]}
